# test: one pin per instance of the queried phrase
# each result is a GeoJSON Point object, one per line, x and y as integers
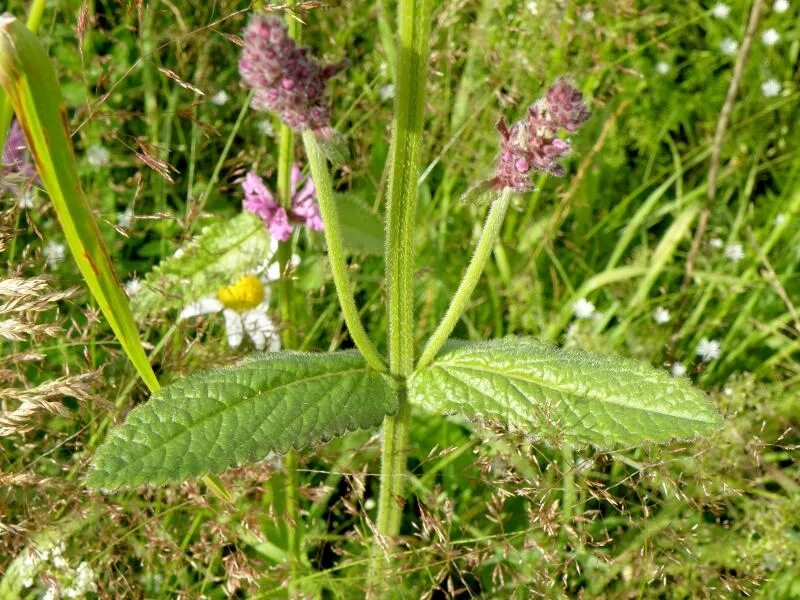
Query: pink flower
{"type": "Point", "coordinates": [532, 144]}
{"type": "Point", "coordinates": [304, 207]}
{"type": "Point", "coordinates": [286, 79]}
{"type": "Point", "coordinates": [260, 201]}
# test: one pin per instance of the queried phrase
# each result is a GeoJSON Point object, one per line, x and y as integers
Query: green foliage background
{"type": "Point", "coordinates": [506, 517]}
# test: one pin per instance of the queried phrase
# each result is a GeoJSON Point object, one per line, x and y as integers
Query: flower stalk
{"type": "Point", "coordinates": [487, 241]}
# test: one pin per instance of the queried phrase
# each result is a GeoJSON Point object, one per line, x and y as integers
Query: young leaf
{"type": "Point", "coordinates": [219, 254]}
{"type": "Point", "coordinates": [557, 394]}
{"type": "Point", "coordinates": [226, 417]}
{"type": "Point", "coordinates": [33, 91]}
{"type": "Point", "coordinates": [362, 229]}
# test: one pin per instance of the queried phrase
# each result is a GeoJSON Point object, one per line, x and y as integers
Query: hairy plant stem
{"type": "Point", "coordinates": [404, 161]}
{"type": "Point", "coordinates": [294, 530]}
{"type": "Point", "coordinates": [336, 256]}
{"type": "Point", "coordinates": [487, 241]}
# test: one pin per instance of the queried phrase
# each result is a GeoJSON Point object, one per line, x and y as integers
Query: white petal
{"type": "Point", "coordinates": [203, 306]}
{"type": "Point", "coordinates": [233, 327]}
{"type": "Point", "coordinates": [259, 327]}
{"type": "Point", "coordinates": [273, 273]}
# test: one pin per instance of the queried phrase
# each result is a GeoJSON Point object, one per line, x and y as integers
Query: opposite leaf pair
{"type": "Point", "coordinates": [273, 402]}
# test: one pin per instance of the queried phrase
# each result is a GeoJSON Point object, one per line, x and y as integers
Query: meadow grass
{"type": "Point", "coordinates": [494, 516]}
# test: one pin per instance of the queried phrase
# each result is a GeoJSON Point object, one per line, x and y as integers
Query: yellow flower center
{"type": "Point", "coordinates": [245, 294]}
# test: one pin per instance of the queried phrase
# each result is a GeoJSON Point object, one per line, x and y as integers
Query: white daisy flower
{"type": "Point", "coordinates": [721, 10]}
{"type": "Point", "coordinates": [708, 350]}
{"type": "Point", "coordinates": [780, 6]}
{"type": "Point", "coordinates": [661, 315]}
{"type": "Point", "coordinates": [132, 286]}
{"type": "Point", "coordinates": [770, 37]}
{"type": "Point", "coordinates": [771, 88]}
{"type": "Point", "coordinates": [716, 243]}
{"type": "Point", "coordinates": [729, 46]}
{"type": "Point", "coordinates": [662, 68]}
{"type": "Point", "coordinates": [678, 369]}
{"type": "Point", "coordinates": [734, 252]}
{"type": "Point", "coordinates": [54, 253]}
{"type": "Point", "coordinates": [583, 309]}
{"type": "Point", "coordinates": [98, 156]}
{"type": "Point", "coordinates": [125, 218]}
{"type": "Point", "coordinates": [220, 98]}
{"type": "Point", "coordinates": [244, 305]}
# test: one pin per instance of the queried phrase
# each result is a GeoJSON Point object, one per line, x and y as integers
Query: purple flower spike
{"type": "Point", "coordinates": [566, 105]}
{"type": "Point", "coordinates": [286, 79]}
{"type": "Point", "coordinates": [532, 144]}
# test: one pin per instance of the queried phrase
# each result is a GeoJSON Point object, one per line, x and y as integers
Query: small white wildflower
{"type": "Point", "coordinates": [369, 504]}
{"type": "Point", "coordinates": [728, 391]}
{"type": "Point", "coordinates": [54, 253]}
{"type": "Point", "coordinates": [734, 252]}
{"type": "Point", "coordinates": [721, 10]}
{"type": "Point", "coordinates": [132, 286]}
{"type": "Point", "coordinates": [780, 218]}
{"type": "Point", "coordinates": [678, 369]}
{"type": "Point", "coordinates": [51, 594]}
{"type": "Point", "coordinates": [266, 127]}
{"type": "Point", "coordinates": [771, 88]}
{"type": "Point", "coordinates": [662, 68]}
{"type": "Point", "coordinates": [583, 309]}
{"type": "Point", "coordinates": [587, 16]}
{"type": "Point", "coordinates": [729, 46]}
{"type": "Point", "coordinates": [716, 243]}
{"type": "Point", "coordinates": [84, 579]}
{"type": "Point", "coordinates": [98, 156]}
{"type": "Point", "coordinates": [708, 350]}
{"type": "Point", "coordinates": [780, 6]}
{"type": "Point", "coordinates": [178, 253]}
{"type": "Point", "coordinates": [28, 200]}
{"type": "Point", "coordinates": [220, 98]}
{"type": "Point", "coordinates": [125, 218]}
{"type": "Point", "coordinates": [661, 315]}
{"type": "Point", "coordinates": [386, 92]}
{"type": "Point", "coordinates": [533, 7]}
{"type": "Point", "coordinates": [770, 37]}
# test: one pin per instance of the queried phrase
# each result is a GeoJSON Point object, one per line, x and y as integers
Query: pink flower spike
{"type": "Point", "coordinates": [305, 208]}
{"type": "Point", "coordinates": [258, 198]}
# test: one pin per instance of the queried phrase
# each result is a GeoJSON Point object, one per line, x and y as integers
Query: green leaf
{"type": "Point", "coordinates": [559, 394]}
{"type": "Point", "coordinates": [33, 92]}
{"type": "Point", "coordinates": [222, 252]}
{"type": "Point", "coordinates": [226, 417]}
{"type": "Point", "coordinates": [362, 229]}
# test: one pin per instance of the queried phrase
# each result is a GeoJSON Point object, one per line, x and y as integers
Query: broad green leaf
{"type": "Point", "coordinates": [222, 252]}
{"type": "Point", "coordinates": [226, 417]}
{"type": "Point", "coordinates": [33, 90]}
{"type": "Point", "coordinates": [562, 394]}
{"type": "Point", "coordinates": [362, 229]}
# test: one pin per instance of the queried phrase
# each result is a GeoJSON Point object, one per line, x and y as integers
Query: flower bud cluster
{"type": "Point", "coordinates": [532, 144]}
{"type": "Point", "coordinates": [285, 78]}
